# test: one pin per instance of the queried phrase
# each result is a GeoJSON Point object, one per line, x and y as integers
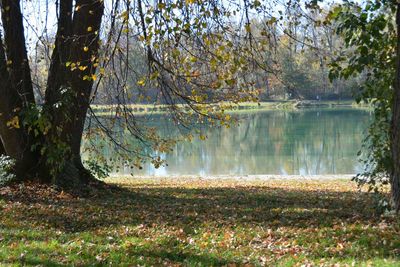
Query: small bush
{"type": "Point", "coordinates": [6, 169]}
{"type": "Point", "coordinates": [100, 171]}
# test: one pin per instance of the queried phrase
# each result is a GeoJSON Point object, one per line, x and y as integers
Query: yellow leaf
{"type": "Point", "coordinates": [94, 77]}
{"type": "Point", "coordinates": [248, 28]}
{"type": "Point", "coordinates": [89, 29]}
{"type": "Point", "coordinates": [14, 122]}
{"type": "Point", "coordinates": [85, 48]}
{"type": "Point", "coordinates": [124, 15]}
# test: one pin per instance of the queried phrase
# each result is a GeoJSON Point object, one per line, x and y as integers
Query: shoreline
{"type": "Point", "coordinates": [287, 105]}
{"type": "Point", "coordinates": [267, 177]}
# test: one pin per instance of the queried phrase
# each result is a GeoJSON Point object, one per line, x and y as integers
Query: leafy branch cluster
{"type": "Point", "coordinates": [369, 32]}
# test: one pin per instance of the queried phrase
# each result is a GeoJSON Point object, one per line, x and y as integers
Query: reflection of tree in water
{"type": "Point", "coordinates": [275, 142]}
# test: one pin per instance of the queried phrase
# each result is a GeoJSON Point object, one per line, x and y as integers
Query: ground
{"type": "Point", "coordinates": [194, 222]}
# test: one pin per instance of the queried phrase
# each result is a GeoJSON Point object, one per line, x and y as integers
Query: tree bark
{"type": "Point", "coordinates": [60, 55]}
{"type": "Point", "coordinates": [84, 49]}
{"type": "Point", "coordinates": [395, 142]}
{"type": "Point", "coordinates": [16, 90]}
{"type": "Point", "coordinates": [77, 41]}
{"type": "Point", "coordinates": [2, 150]}
{"type": "Point", "coordinates": [14, 39]}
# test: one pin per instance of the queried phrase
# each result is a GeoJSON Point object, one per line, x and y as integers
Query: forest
{"type": "Point", "coordinates": [290, 40]}
{"type": "Point", "coordinates": [199, 133]}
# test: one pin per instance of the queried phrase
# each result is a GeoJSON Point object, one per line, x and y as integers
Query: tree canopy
{"type": "Point", "coordinates": [193, 54]}
{"type": "Point", "coordinates": [371, 35]}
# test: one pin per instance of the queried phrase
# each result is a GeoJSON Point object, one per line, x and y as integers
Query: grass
{"type": "Point", "coordinates": [197, 223]}
{"type": "Point", "coordinates": [143, 109]}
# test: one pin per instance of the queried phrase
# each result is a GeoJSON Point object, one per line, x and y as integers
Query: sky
{"type": "Point", "coordinates": [40, 19]}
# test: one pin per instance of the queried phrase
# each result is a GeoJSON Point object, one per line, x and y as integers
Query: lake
{"type": "Point", "coordinates": [302, 142]}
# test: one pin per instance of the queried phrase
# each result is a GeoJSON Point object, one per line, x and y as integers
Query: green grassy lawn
{"type": "Point", "coordinates": [197, 223]}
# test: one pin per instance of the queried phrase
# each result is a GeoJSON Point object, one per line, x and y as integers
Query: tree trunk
{"type": "Point", "coordinates": [16, 90]}
{"type": "Point", "coordinates": [2, 151]}
{"type": "Point", "coordinates": [84, 49]}
{"type": "Point", "coordinates": [77, 41]}
{"type": "Point", "coordinates": [395, 144]}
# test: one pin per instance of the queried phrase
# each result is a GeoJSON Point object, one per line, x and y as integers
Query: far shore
{"type": "Point", "coordinates": [268, 177]}
{"type": "Point", "coordinates": [154, 109]}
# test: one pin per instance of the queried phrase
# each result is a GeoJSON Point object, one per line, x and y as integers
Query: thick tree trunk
{"type": "Point", "coordinates": [15, 89]}
{"type": "Point", "coordinates": [84, 49]}
{"type": "Point", "coordinates": [2, 150]}
{"type": "Point", "coordinates": [395, 146]}
{"type": "Point", "coordinates": [61, 53]}
{"type": "Point", "coordinates": [57, 82]}
{"type": "Point", "coordinates": [20, 73]}
{"type": "Point", "coordinates": [77, 41]}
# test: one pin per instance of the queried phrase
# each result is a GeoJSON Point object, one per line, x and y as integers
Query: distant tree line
{"type": "Point", "coordinates": [294, 48]}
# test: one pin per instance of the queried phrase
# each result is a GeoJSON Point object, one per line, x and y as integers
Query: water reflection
{"type": "Point", "coordinates": [274, 142]}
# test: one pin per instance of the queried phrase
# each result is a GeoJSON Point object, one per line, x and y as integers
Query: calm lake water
{"type": "Point", "coordinates": [305, 142]}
